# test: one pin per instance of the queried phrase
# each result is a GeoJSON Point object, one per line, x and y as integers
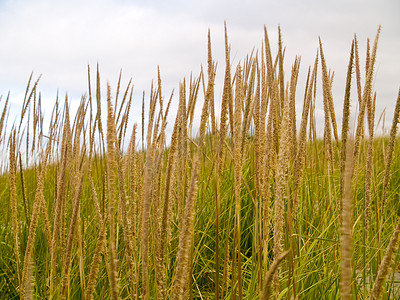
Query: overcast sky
{"type": "Point", "coordinates": [59, 39]}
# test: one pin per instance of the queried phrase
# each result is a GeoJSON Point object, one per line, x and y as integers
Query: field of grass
{"type": "Point", "coordinates": [248, 206]}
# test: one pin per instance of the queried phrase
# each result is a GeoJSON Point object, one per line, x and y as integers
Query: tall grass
{"type": "Point", "coordinates": [244, 205]}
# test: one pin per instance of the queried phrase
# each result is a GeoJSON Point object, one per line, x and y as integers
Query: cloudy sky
{"type": "Point", "coordinates": [59, 39]}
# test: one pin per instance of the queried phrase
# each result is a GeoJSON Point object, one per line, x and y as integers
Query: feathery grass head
{"type": "Point", "coordinates": [14, 204]}
{"type": "Point", "coordinates": [346, 229]}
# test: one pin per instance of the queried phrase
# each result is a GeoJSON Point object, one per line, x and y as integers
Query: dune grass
{"type": "Point", "coordinates": [247, 207]}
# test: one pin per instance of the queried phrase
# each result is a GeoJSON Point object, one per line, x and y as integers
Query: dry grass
{"type": "Point", "coordinates": [109, 210]}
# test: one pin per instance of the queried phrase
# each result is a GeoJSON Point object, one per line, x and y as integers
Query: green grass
{"type": "Point", "coordinates": [311, 271]}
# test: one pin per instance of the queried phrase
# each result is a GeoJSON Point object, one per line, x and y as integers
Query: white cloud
{"type": "Point", "coordinates": [59, 38]}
